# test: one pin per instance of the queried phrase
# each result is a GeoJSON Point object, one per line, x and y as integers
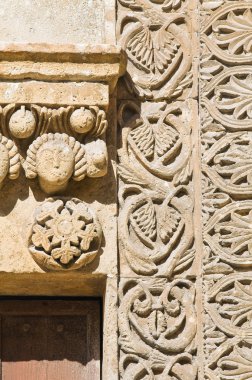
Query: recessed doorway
{"type": "Point", "coordinates": [50, 339]}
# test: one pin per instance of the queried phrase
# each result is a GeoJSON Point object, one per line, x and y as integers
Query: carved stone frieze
{"type": "Point", "coordinates": [157, 324]}
{"type": "Point", "coordinates": [32, 120]}
{"type": "Point", "coordinates": [226, 192]}
{"type": "Point", "coordinates": [156, 223]}
{"type": "Point", "coordinates": [159, 47]}
{"type": "Point", "coordinates": [231, 361]}
{"type": "Point", "coordinates": [228, 163]}
{"type": "Point", "coordinates": [227, 97]}
{"type": "Point", "coordinates": [227, 32]}
{"type": "Point", "coordinates": [156, 217]}
{"type": "Point", "coordinates": [76, 148]}
{"type": "Point", "coordinates": [229, 304]}
{"type": "Point", "coordinates": [65, 235]}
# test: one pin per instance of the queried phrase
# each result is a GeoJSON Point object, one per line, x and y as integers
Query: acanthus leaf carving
{"type": "Point", "coordinates": [228, 163]}
{"type": "Point", "coordinates": [227, 32]}
{"type": "Point", "coordinates": [231, 361]}
{"type": "Point", "coordinates": [229, 304]}
{"type": "Point", "coordinates": [227, 97]}
{"type": "Point", "coordinates": [229, 233]}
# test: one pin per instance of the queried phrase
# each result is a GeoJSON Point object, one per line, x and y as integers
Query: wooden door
{"type": "Point", "coordinates": [50, 340]}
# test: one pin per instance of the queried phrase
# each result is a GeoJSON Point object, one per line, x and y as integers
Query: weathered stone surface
{"type": "Point", "coordinates": [55, 21]}
{"type": "Point", "coordinates": [58, 225]}
{"type": "Point", "coordinates": [59, 94]}
{"type": "Point", "coordinates": [173, 259]}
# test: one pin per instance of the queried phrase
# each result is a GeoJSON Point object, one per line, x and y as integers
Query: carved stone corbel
{"type": "Point", "coordinates": [53, 109]}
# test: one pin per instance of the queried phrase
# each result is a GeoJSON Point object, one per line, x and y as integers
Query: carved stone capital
{"type": "Point", "coordinates": [53, 103]}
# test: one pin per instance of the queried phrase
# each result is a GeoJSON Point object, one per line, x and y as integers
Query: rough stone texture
{"type": "Point", "coordinates": [55, 21]}
{"type": "Point", "coordinates": [180, 293]}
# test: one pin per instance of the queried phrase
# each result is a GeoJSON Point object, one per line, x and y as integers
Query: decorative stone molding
{"type": "Point", "coordinates": [158, 39]}
{"type": "Point", "coordinates": [226, 195]}
{"type": "Point", "coordinates": [58, 133]}
{"type": "Point", "coordinates": [157, 323]}
{"type": "Point", "coordinates": [155, 223]}
{"type": "Point", "coordinates": [184, 134]}
{"type": "Point", "coordinates": [65, 235]}
{"type": "Point", "coordinates": [38, 114]}
{"type": "Point", "coordinates": [158, 251]}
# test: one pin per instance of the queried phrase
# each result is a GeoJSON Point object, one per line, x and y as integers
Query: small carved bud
{"type": "Point", "coordinates": [22, 123]}
{"type": "Point", "coordinates": [82, 120]}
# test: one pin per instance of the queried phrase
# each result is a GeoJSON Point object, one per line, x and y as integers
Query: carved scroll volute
{"type": "Point", "coordinates": [157, 322]}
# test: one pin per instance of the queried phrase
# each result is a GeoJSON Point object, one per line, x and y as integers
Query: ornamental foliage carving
{"type": "Point", "coordinates": [156, 221]}
{"type": "Point", "coordinates": [229, 163]}
{"type": "Point", "coordinates": [65, 235]}
{"type": "Point", "coordinates": [157, 323]}
{"type": "Point", "coordinates": [226, 199]}
{"type": "Point", "coordinates": [164, 199]}
{"type": "Point", "coordinates": [227, 32]}
{"type": "Point", "coordinates": [157, 249]}
{"type": "Point", "coordinates": [158, 45]}
{"type": "Point", "coordinates": [230, 304]}
{"type": "Point", "coordinates": [227, 98]}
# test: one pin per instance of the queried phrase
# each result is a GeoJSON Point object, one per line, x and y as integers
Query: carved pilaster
{"type": "Point", "coordinates": [226, 165]}
{"type": "Point", "coordinates": [159, 253]}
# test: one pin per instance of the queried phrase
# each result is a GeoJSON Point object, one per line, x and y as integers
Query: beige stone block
{"type": "Point", "coordinates": [81, 93]}
{"type": "Point", "coordinates": [57, 21]}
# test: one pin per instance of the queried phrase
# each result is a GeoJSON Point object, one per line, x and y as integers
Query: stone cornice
{"type": "Point", "coordinates": [53, 63]}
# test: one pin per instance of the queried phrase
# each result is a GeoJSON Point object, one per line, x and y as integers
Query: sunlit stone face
{"type": "Point", "coordinates": [55, 162]}
{"type": "Point", "coordinates": [4, 162]}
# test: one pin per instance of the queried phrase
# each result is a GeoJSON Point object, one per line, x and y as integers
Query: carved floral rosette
{"type": "Point", "coordinates": [65, 235]}
{"type": "Point", "coordinates": [157, 324]}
